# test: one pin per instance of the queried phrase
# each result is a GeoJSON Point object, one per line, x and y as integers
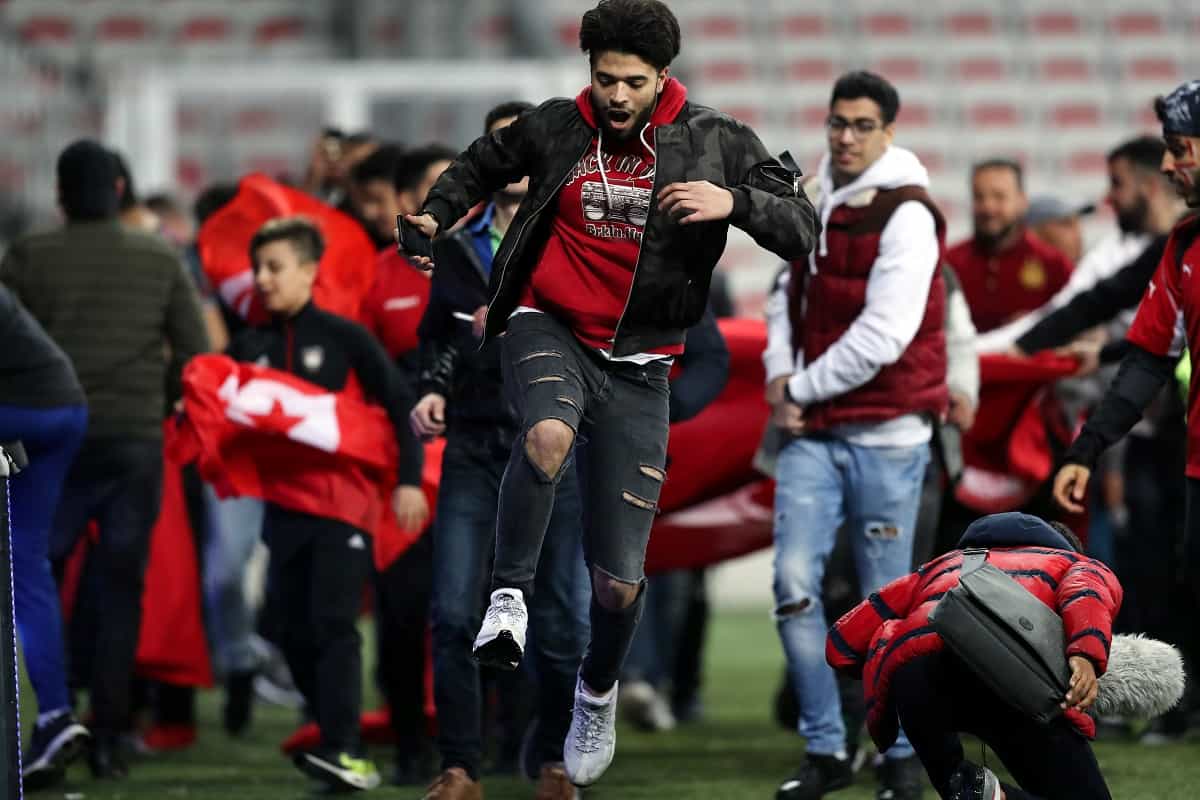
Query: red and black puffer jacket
{"type": "Point", "coordinates": [891, 627]}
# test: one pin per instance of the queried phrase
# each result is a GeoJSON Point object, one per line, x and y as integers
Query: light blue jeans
{"type": "Point", "coordinates": [235, 528]}
{"type": "Point", "coordinates": [823, 484]}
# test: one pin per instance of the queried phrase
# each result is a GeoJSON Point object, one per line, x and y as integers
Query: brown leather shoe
{"type": "Point", "coordinates": [553, 784]}
{"type": "Point", "coordinates": [453, 784]}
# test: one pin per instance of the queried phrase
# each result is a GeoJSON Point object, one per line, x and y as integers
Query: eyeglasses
{"type": "Point", "coordinates": [859, 128]}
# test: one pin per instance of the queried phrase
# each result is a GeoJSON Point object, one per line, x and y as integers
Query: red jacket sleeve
{"type": "Point", "coordinates": [1088, 598]}
{"type": "Point", "coordinates": [850, 637]}
{"type": "Point", "coordinates": [1158, 326]}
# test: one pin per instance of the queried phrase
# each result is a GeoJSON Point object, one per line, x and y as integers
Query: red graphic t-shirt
{"type": "Point", "coordinates": [585, 272]}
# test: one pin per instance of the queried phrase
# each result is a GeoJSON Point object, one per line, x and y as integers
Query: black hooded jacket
{"type": "Point", "coordinates": [672, 276]}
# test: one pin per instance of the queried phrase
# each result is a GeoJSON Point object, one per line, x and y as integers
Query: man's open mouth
{"type": "Point", "coordinates": [618, 116]}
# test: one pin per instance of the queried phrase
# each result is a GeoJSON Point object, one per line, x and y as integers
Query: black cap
{"type": "Point", "coordinates": [87, 181]}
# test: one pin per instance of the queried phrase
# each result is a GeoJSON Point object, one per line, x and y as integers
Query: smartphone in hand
{"type": "Point", "coordinates": [412, 241]}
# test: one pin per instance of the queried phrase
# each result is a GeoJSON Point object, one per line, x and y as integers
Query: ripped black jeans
{"type": "Point", "coordinates": [619, 412]}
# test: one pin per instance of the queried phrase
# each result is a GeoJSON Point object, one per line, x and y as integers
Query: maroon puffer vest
{"type": "Point", "coordinates": [823, 306]}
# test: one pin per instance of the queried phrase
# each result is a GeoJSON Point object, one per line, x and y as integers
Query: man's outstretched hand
{"type": "Point", "coordinates": [428, 227]}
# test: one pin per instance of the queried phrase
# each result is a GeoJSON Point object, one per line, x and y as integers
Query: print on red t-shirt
{"type": "Point", "coordinates": [585, 272]}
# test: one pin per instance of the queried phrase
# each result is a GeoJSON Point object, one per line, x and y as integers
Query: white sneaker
{"type": "Point", "coordinates": [501, 640]}
{"type": "Point", "coordinates": [642, 706]}
{"type": "Point", "coordinates": [592, 739]}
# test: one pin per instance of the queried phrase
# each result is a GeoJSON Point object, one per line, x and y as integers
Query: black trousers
{"type": "Point", "coordinates": [936, 697]}
{"type": "Point", "coordinates": [117, 483]}
{"type": "Point", "coordinates": [402, 593]}
{"type": "Point", "coordinates": [620, 412]}
{"type": "Point", "coordinates": [318, 570]}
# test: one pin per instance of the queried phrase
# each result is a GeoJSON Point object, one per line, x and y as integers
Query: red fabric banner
{"type": "Point", "coordinates": [347, 270]}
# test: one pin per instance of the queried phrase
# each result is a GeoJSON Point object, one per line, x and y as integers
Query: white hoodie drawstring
{"type": "Point", "coordinates": [600, 160]}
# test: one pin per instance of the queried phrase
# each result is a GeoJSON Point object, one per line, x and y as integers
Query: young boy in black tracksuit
{"type": "Point", "coordinates": [320, 565]}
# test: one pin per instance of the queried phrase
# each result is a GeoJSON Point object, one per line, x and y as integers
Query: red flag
{"type": "Point", "coordinates": [346, 271]}
{"type": "Point", "coordinates": [260, 432]}
{"type": "Point", "coordinates": [721, 504]}
{"type": "Point", "coordinates": [172, 645]}
{"type": "Point", "coordinates": [1007, 452]}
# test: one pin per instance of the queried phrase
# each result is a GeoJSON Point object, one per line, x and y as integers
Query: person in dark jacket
{"type": "Point", "coordinates": [462, 397]}
{"type": "Point", "coordinates": [320, 565]}
{"type": "Point", "coordinates": [44, 409]}
{"type": "Point", "coordinates": [94, 275]}
{"type": "Point", "coordinates": [608, 261]}
{"type": "Point", "coordinates": [911, 679]}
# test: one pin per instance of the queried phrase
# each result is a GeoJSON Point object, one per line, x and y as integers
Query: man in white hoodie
{"type": "Point", "coordinates": [856, 371]}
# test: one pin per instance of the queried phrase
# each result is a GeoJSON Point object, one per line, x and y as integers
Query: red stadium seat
{"type": "Point", "coordinates": [1071, 114]}
{"type": "Point", "coordinates": [899, 68]}
{"type": "Point", "coordinates": [1153, 68]}
{"type": "Point", "coordinates": [48, 29]}
{"type": "Point", "coordinates": [983, 68]}
{"type": "Point", "coordinates": [281, 29]}
{"type": "Point", "coordinates": [887, 23]}
{"type": "Point", "coordinates": [1137, 23]}
{"type": "Point", "coordinates": [205, 29]}
{"type": "Point", "coordinates": [256, 120]}
{"type": "Point", "coordinates": [191, 174]}
{"type": "Point", "coordinates": [1055, 23]}
{"type": "Point", "coordinates": [124, 28]}
{"type": "Point", "coordinates": [801, 26]}
{"type": "Point", "coordinates": [994, 114]}
{"type": "Point", "coordinates": [716, 26]}
{"type": "Point", "coordinates": [976, 22]}
{"type": "Point", "coordinates": [815, 68]}
{"type": "Point", "coordinates": [1088, 161]}
{"type": "Point", "coordinates": [1065, 68]}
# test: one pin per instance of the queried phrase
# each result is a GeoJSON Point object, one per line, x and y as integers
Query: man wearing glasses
{"type": "Point", "coordinates": [856, 371]}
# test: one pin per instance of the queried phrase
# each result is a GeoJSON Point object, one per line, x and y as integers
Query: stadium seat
{"type": "Point", "coordinates": [898, 60]}
{"type": "Point", "coordinates": [960, 19]}
{"type": "Point", "coordinates": [1040, 19]}
{"type": "Point", "coordinates": [977, 60]}
{"type": "Point", "coordinates": [721, 62]}
{"type": "Point", "coordinates": [1160, 59]}
{"type": "Point", "coordinates": [1067, 60]}
{"type": "Point", "coordinates": [703, 21]}
{"type": "Point", "coordinates": [800, 62]}
{"type": "Point", "coordinates": [749, 103]}
{"type": "Point", "coordinates": [48, 30]}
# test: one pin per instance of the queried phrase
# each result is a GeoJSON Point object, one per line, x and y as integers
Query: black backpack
{"type": "Point", "coordinates": [1010, 639]}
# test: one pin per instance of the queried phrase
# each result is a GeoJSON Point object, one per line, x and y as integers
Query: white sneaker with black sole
{"type": "Point", "coordinates": [53, 747]}
{"type": "Point", "coordinates": [592, 739]}
{"type": "Point", "coordinates": [501, 640]}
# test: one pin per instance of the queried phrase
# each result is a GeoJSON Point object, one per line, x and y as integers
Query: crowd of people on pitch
{"type": "Point", "coordinates": [874, 330]}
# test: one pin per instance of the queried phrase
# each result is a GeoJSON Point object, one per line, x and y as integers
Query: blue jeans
{"type": "Point", "coordinates": [823, 483]}
{"type": "Point", "coordinates": [235, 528]}
{"type": "Point", "coordinates": [52, 437]}
{"type": "Point", "coordinates": [464, 535]}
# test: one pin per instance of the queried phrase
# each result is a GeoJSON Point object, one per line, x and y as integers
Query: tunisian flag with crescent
{"type": "Point", "coordinates": [260, 432]}
{"type": "Point", "coordinates": [347, 268]}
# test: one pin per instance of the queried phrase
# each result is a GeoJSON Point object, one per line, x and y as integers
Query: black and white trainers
{"type": "Point", "coordinates": [501, 640]}
{"type": "Point", "coordinates": [973, 782]}
{"type": "Point", "coordinates": [817, 776]}
{"type": "Point", "coordinates": [54, 745]}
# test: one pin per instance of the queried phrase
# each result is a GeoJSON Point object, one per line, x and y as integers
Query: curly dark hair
{"type": "Point", "coordinates": [645, 28]}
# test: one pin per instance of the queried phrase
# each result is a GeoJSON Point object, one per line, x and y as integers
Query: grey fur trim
{"type": "Point", "coordinates": [1145, 678]}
